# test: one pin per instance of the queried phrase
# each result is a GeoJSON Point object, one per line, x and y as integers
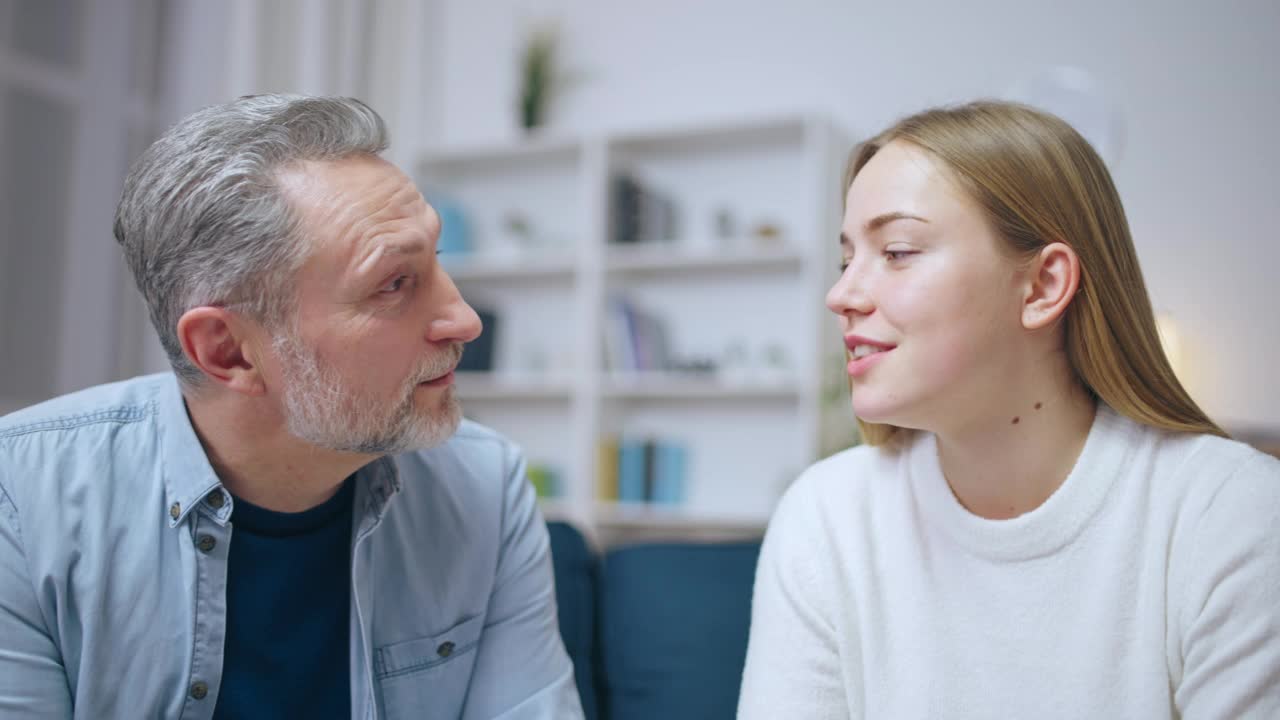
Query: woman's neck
{"type": "Point", "coordinates": [1009, 461]}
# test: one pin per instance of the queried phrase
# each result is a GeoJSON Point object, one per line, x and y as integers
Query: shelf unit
{"type": "Point", "coordinates": [728, 295]}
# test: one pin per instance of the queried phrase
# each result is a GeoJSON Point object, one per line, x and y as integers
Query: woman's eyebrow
{"type": "Point", "coordinates": [883, 219]}
{"type": "Point", "coordinates": [878, 222]}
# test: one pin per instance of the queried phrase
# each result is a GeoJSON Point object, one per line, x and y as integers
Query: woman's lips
{"type": "Point", "coordinates": [861, 366]}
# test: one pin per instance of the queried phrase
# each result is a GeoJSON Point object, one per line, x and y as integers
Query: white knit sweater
{"type": "Point", "coordinates": [1147, 586]}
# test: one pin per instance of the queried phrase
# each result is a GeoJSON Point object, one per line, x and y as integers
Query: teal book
{"type": "Point", "coordinates": [631, 470]}
{"type": "Point", "coordinates": [671, 460]}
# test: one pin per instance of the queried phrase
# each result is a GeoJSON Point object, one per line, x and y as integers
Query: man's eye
{"type": "Point", "coordinates": [396, 285]}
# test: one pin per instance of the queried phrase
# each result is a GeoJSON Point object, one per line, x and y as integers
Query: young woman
{"type": "Point", "coordinates": [1041, 523]}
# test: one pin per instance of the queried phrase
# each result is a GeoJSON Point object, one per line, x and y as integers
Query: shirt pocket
{"type": "Point", "coordinates": [428, 677]}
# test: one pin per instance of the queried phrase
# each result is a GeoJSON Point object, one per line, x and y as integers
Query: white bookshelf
{"type": "Point", "coordinates": [514, 387]}
{"type": "Point", "coordinates": [497, 268]}
{"type": "Point", "coordinates": [659, 258]}
{"type": "Point", "coordinates": [675, 387]}
{"type": "Point", "coordinates": [729, 297]}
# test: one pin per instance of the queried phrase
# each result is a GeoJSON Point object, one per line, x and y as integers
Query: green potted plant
{"type": "Point", "coordinates": [538, 75]}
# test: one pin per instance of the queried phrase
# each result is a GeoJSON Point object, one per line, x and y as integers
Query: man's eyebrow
{"type": "Point", "coordinates": [402, 247]}
{"type": "Point", "coordinates": [411, 247]}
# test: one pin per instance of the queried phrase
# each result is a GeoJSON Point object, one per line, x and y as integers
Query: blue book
{"type": "Point", "coordinates": [669, 475]}
{"type": "Point", "coordinates": [631, 470]}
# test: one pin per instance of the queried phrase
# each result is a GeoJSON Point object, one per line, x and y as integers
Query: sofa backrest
{"type": "Point", "coordinates": [655, 630]}
{"type": "Point", "coordinates": [577, 580]}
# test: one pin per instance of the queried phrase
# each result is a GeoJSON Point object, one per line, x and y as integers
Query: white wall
{"type": "Point", "coordinates": [1196, 83]}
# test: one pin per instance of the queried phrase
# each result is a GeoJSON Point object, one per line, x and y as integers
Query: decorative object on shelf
{"type": "Point", "coordinates": [545, 480]}
{"type": "Point", "coordinates": [726, 226]}
{"type": "Point", "coordinates": [693, 365]}
{"type": "Point", "coordinates": [775, 361]}
{"type": "Point", "coordinates": [767, 234]}
{"type": "Point", "coordinates": [539, 76]}
{"type": "Point", "coordinates": [735, 360]}
{"type": "Point", "coordinates": [516, 236]}
{"type": "Point", "coordinates": [477, 355]}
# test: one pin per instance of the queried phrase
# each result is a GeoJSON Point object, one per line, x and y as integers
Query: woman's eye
{"type": "Point", "coordinates": [898, 254]}
{"type": "Point", "coordinates": [844, 265]}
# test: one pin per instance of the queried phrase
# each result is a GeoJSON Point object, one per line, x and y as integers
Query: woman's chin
{"type": "Point", "coordinates": [869, 410]}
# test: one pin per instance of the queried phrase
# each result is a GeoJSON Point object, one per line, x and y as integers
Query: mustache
{"type": "Point", "coordinates": [440, 365]}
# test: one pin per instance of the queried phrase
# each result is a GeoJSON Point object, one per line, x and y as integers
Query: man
{"type": "Point", "coordinates": [296, 522]}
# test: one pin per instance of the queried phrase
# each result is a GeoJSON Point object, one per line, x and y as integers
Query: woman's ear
{"type": "Point", "coordinates": [217, 341]}
{"type": "Point", "coordinates": [1051, 283]}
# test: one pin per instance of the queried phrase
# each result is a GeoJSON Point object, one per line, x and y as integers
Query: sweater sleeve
{"type": "Point", "coordinates": [1230, 619]}
{"type": "Point", "coordinates": [793, 665]}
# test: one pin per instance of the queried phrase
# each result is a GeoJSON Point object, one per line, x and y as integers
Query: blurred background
{"type": "Point", "coordinates": [642, 197]}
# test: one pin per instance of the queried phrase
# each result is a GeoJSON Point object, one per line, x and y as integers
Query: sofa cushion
{"type": "Point", "coordinates": [575, 570]}
{"type": "Point", "coordinates": [674, 621]}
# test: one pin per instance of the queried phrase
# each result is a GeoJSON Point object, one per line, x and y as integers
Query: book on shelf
{"type": "Point", "coordinates": [635, 340]}
{"type": "Point", "coordinates": [647, 470]}
{"type": "Point", "coordinates": [640, 213]}
{"type": "Point", "coordinates": [607, 469]}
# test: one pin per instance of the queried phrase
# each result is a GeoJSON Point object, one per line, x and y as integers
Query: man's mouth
{"type": "Point", "coordinates": [439, 381]}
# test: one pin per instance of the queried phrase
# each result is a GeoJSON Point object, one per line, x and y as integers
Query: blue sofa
{"type": "Point", "coordinates": [655, 630]}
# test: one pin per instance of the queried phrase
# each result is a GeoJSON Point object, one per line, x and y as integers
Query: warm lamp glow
{"type": "Point", "coordinates": [1170, 341]}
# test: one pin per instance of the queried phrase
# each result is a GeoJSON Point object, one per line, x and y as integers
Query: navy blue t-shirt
{"type": "Point", "coordinates": [288, 612]}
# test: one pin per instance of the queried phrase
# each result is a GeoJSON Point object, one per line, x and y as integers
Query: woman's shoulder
{"type": "Point", "coordinates": [1204, 459]}
{"type": "Point", "coordinates": [1208, 474]}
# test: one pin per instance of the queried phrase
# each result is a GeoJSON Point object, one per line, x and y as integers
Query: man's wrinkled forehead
{"type": "Point", "coordinates": [357, 212]}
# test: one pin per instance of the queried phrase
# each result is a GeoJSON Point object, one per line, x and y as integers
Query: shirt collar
{"type": "Point", "coordinates": [376, 484]}
{"type": "Point", "coordinates": [188, 477]}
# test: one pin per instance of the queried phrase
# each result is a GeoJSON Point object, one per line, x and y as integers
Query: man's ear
{"type": "Point", "coordinates": [219, 342]}
{"type": "Point", "coordinates": [1051, 283]}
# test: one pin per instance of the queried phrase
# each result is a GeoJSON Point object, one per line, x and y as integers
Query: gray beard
{"type": "Point", "coordinates": [323, 409]}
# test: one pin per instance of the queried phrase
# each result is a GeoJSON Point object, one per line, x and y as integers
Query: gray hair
{"type": "Point", "coordinates": [203, 220]}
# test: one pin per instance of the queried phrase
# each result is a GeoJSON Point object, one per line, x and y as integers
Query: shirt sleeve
{"type": "Point", "coordinates": [522, 669]}
{"type": "Point", "coordinates": [1230, 620]}
{"type": "Point", "coordinates": [793, 663]}
{"type": "Point", "coordinates": [33, 683]}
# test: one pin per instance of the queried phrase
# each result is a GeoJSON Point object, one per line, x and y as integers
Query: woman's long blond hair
{"type": "Point", "coordinates": [1038, 181]}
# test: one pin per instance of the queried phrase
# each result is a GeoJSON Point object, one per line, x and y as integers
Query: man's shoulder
{"type": "Point", "coordinates": [472, 436]}
{"type": "Point", "coordinates": [476, 446]}
{"type": "Point", "coordinates": [475, 461]}
{"type": "Point", "coordinates": [110, 404]}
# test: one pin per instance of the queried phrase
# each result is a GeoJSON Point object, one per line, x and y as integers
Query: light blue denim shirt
{"type": "Point", "coordinates": [114, 533]}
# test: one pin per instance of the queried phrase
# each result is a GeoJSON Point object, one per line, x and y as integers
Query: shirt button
{"type": "Point", "coordinates": [206, 543]}
{"type": "Point", "coordinates": [215, 500]}
{"type": "Point", "coordinates": [199, 690]}
{"type": "Point", "coordinates": [175, 510]}
{"type": "Point", "coordinates": [445, 649]}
